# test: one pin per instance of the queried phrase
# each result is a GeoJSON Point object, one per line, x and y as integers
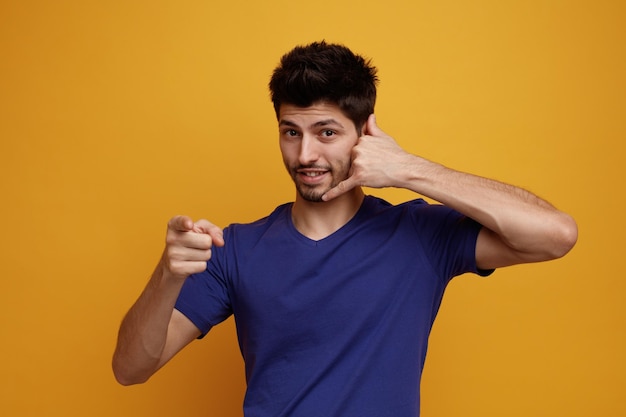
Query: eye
{"type": "Point", "coordinates": [290, 132]}
{"type": "Point", "coordinates": [328, 133]}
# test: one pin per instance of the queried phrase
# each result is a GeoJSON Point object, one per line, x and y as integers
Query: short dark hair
{"type": "Point", "coordinates": [326, 72]}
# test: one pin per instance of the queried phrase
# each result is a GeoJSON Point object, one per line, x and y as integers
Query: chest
{"type": "Point", "coordinates": [301, 290]}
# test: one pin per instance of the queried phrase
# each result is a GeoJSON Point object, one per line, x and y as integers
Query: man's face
{"type": "Point", "coordinates": [316, 144]}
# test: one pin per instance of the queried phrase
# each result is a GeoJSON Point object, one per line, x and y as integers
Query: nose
{"type": "Point", "coordinates": [309, 152]}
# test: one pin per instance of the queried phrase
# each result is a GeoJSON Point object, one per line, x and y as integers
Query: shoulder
{"type": "Point", "coordinates": [276, 218]}
{"type": "Point", "coordinates": [422, 215]}
{"type": "Point", "coordinates": [375, 205]}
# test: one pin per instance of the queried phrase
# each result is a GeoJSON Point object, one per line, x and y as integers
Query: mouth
{"type": "Point", "coordinates": [312, 175]}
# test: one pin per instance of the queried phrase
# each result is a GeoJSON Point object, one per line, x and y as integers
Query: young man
{"type": "Point", "coordinates": [334, 295]}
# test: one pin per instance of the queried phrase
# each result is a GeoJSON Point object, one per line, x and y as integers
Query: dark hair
{"type": "Point", "coordinates": [326, 72]}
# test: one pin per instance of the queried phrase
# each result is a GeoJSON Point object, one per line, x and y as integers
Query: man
{"type": "Point", "coordinates": [334, 295]}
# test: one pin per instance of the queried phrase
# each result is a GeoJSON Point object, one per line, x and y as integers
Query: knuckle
{"type": "Point", "coordinates": [170, 239]}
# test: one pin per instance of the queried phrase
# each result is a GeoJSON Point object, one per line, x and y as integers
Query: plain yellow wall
{"type": "Point", "coordinates": [117, 115]}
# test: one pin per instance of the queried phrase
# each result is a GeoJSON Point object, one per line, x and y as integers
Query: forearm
{"type": "Point", "coordinates": [519, 226]}
{"type": "Point", "coordinates": [523, 221]}
{"type": "Point", "coordinates": [143, 333]}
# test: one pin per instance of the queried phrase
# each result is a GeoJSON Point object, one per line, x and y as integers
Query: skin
{"type": "Point", "coordinates": [153, 331]}
{"type": "Point", "coordinates": [329, 162]}
{"type": "Point", "coordinates": [316, 144]}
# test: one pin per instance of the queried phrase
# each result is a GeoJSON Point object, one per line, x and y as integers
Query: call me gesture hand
{"type": "Point", "coordinates": [377, 162]}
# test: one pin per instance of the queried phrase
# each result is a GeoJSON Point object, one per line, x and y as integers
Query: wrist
{"type": "Point", "coordinates": [166, 276]}
{"type": "Point", "coordinates": [418, 173]}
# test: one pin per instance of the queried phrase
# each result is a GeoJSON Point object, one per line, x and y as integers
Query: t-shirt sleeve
{"type": "Point", "coordinates": [204, 297]}
{"type": "Point", "coordinates": [449, 238]}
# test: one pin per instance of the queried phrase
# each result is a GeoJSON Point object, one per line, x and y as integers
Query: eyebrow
{"type": "Point", "coordinates": [321, 123]}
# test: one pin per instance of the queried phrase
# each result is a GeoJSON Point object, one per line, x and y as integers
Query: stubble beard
{"type": "Point", "coordinates": [311, 194]}
{"type": "Point", "coordinates": [314, 193]}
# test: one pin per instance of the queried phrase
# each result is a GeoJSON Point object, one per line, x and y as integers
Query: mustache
{"type": "Point", "coordinates": [312, 166]}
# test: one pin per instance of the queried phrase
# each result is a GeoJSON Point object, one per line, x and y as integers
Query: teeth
{"type": "Point", "coordinates": [313, 174]}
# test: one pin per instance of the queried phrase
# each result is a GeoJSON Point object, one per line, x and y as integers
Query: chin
{"type": "Point", "coordinates": [312, 195]}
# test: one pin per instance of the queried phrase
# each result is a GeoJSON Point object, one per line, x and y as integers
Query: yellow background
{"type": "Point", "coordinates": [117, 115]}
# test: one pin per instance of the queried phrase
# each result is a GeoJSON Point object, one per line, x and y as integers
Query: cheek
{"type": "Point", "coordinates": [343, 161]}
{"type": "Point", "coordinates": [346, 152]}
{"type": "Point", "coordinates": [289, 156]}
{"type": "Point", "coordinates": [284, 150]}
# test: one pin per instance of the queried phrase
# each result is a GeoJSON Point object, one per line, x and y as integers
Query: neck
{"type": "Point", "coordinates": [319, 220]}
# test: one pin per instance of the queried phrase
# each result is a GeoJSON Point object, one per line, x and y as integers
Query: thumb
{"type": "Point", "coordinates": [371, 128]}
{"type": "Point", "coordinates": [341, 188]}
{"type": "Point", "coordinates": [206, 227]}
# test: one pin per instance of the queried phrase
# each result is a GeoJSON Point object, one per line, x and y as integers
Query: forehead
{"type": "Point", "coordinates": [292, 115]}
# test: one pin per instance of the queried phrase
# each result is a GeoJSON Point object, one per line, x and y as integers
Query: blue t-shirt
{"type": "Point", "coordinates": [338, 326]}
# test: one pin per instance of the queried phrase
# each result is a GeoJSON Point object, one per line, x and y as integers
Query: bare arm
{"type": "Point", "coordinates": [518, 226]}
{"type": "Point", "coordinates": [153, 331]}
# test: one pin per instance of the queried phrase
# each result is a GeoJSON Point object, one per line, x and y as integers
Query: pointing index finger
{"type": "Point", "coordinates": [180, 223]}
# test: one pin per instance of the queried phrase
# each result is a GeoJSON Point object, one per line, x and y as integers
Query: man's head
{"type": "Point", "coordinates": [330, 73]}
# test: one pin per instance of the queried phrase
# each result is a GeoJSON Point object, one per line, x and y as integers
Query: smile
{"type": "Point", "coordinates": [312, 176]}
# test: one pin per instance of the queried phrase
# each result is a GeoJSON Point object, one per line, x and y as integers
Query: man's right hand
{"type": "Point", "coordinates": [188, 246]}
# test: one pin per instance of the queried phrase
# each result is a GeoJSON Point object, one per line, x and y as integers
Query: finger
{"type": "Point", "coordinates": [206, 227]}
{"type": "Point", "coordinates": [341, 188]}
{"type": "Point", "coordinates": [180, 223]}
{"type": "Point", "coordinates": [194, 240]}
{"type": "Point", "coordinates": [186, 268]}
{"type": "Point", "coordinates": [191, 251]}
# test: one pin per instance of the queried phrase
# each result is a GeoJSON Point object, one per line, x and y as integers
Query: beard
{"type": "Point", "coordinates": [314, 193]}
{"type": "Point", "coordinates": [311, 194]}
